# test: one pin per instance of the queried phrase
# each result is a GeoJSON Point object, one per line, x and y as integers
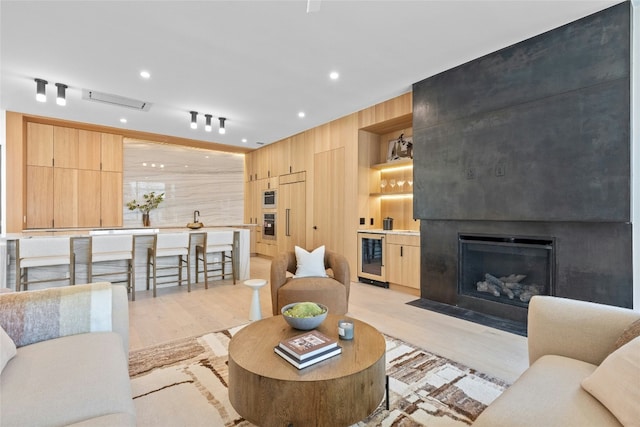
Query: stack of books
{"type": "Point", "coordinates": [307, 349]}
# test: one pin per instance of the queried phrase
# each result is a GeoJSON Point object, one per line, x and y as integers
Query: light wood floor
{"type": "Point", "coordinates": [175, 313]}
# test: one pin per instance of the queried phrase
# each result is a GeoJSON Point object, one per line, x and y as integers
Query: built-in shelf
{"type": "Point", "coordinates": [395, 164]}
{"type": "Point", "coordinates": [397, 193]}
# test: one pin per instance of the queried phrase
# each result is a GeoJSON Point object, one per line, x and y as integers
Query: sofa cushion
{"type": "Point", "coordinates": [310, 264]}
{"type": "Point", "coordinates": [616, 383]}
{"type": "Point", "coordinates": [7, 349]}
{"type": "Point", "coordinates": [548, 394]}
{"type": "Point", "coordinates": [66, 380]}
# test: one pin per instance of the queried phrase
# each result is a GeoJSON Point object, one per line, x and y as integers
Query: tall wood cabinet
{"type": "Point", "coordinates": [292, 222]}
{"type": "Point", "coordinates": [74, 178]}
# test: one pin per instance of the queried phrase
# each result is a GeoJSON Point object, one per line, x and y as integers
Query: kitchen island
{"type": "Point", "coordinates": [143, 239]}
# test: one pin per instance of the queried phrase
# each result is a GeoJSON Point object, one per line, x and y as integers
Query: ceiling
{"type": "Point", "coordinates": [257, 63]}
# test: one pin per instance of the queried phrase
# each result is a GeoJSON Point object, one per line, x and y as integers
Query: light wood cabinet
{"type": "Point", "coordinates": [39, 145]}
{"type": "Point", "coordinates": [65, 147]}
{"type": "Point", "coordinates": [403, 260]}
{"type": "Point", "coordinates": [111, 152]}
{"type": "Point", "coordinates": [111, 199]}
{"type": "Point", "coordinates": [74, 178]}
{"type": "Point", "coordinates": [89, 149]}
{"type": "Point", "coordinates": [329, 200]}
{"type": "Point", "coordinates": [39, 197]}
{"type": "Point", "coordinates": [292, 223]}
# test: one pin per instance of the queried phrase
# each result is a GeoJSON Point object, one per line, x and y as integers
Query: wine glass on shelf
{"type": "Point", "coordinates": [401, 182]}
{"type": "Point", "coordinates": [410, 182]}
{"type": "Point", "coordinates": [383, 183]}
{"type": "Point", "coordinates": [392, 183]}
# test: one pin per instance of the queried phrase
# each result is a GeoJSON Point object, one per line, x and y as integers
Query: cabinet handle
{"type": "Point", "coordinates": [382, 246]}
{"type": "Point", "coordinates": [400, 250]}
{"type": "Point", "coordinates": [288, 212]}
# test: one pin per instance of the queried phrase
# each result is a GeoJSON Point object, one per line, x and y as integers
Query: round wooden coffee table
{"type": "Point", "coordinates": [268, 391]}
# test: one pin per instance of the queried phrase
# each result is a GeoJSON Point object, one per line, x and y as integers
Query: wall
{"type": "Point", "coordinates": [192, 179]}
{"type": "Point", "coordinates": [533, 140]}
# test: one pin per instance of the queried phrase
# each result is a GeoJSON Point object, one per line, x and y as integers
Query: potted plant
{"type": "Point", "coordinates": [150, 202]}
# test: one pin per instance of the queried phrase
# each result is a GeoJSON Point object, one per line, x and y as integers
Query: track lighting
{"type": "Point", "coordinates": [41, 95]}
{"type": "Point", "coordinates": [194, 119]}
{"type": "Point", "coordinates": [207, 125]}
{"type": "Point", "coordinates": [222, 130]}
{"type": "Point", "coordinates": [61, 98]}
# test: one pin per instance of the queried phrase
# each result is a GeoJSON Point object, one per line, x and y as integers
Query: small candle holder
{"type": "Point", "coordinates": [345, 329]}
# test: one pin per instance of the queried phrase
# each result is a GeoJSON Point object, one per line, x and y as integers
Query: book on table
{"type": "Point", "coordinates": [307, 345]}
{"type": "Point", "coordinates": [300, 364]}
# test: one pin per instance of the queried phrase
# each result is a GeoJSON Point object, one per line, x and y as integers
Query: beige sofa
{"type": "Point", "coordinates": [567, 340]}
{"type": "Point", "coordinates": [71, 362]}
{"type": "Point", "coordinates": [332, 291]}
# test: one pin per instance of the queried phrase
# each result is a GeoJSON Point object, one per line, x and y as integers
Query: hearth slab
{"type": "Point", "coordinates": [511, 326]}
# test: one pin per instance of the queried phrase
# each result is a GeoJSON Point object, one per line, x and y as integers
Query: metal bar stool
{"type": "Point", "coordinates": [43, 252]}
{"type": "Point", "coordinates": [169, 245]}
{"type": "Point", "coordinates": [112, 248]}
{"type": "Point", "coordinates": [215, 242]}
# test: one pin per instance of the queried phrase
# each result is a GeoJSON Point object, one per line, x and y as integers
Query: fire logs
{"type": "Point", "coordinates": [510, 286]}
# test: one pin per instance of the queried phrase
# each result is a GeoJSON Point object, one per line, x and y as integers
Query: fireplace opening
{"type": "Point", "coordinates": [505, 269]}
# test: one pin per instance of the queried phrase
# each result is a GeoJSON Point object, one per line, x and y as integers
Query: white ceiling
{"type": "Point", "coordinates": [258, 63]}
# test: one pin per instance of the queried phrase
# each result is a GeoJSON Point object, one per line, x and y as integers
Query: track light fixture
{"type": "Point", "coordinates": [207, 125]}
{"type": "Point", "coordinates": [222, 130]}
{"type": "Point", "coordinates": [194, 119]}
{"type": "Point", "coordinates": [61, 99]}
{"type": "Point", "coordinates": [41, 94]}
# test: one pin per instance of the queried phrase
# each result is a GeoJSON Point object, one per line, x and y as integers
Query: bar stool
{"type": "Point", "coordinates": [112, 248]}
{"type": "Point", "coordinates": [169, 245]}
{"type": "Point", "coordinates": [215, 242]}
{"type": "Point", "coordinates": [43, 252]}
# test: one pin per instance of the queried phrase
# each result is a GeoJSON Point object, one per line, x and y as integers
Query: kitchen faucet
{"type": "Point", "coordinates": [196, 216]}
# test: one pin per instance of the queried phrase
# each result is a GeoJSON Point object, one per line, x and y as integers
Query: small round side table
{"type": "Point", "coordinates": [255, 313]}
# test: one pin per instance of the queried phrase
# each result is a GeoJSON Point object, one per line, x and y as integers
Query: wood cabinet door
{"type": "Point", "coordinates": [111, 152]}
{"type": "Point", "coordinates": [89, 150]}
{"type": "Point", "coordinates": [89, 186]}
{"type": "Point", "coordinates": [298, 153]}
{"type": "Point", "coordinates": [411, 266]}
{"type": "Point", "coordinates": [39, 197]}
{"type": "Point", "coordinates": [394, 263]}
{"type": "Point", "coordinates": [328, 200]}
{"type": "Point", "coordinates": [39, 144]}
{"type": "Point", "coordinates": [292, 216]}
{"type": "Point", "coordinates": [65, 147]}
{"type": "Point", "coordinates": [65, 197]}
{"type": "Point", "coordinates": [111, 199]}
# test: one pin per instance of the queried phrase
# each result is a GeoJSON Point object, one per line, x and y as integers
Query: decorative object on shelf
{"type": "Point", "coordinates": [401, 148]}
{"type": "Point", "coordinates": [383, 184]}
{"type": "Point", "coordinates": [392, 183]}
{"type": "Point", "coordinates": [150, 202]}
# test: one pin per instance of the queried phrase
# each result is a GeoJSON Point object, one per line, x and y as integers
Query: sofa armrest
{"type": "Point", "coordinates": [278, 276]}
{"type": "Point", "coordinates": [340, 267]}
{"type": "Point", "coordinates": [577, 329]}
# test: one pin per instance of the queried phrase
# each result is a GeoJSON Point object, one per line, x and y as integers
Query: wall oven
{"type": "Point", "coordinates": [371, 259]}
{"type": "Point", "coordinates": [269, 226]}
{"type": "Point", "coordinates": [269, 199]}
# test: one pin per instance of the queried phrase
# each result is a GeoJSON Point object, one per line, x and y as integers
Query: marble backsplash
{"type": "Point", "coordinates": [192, 179]}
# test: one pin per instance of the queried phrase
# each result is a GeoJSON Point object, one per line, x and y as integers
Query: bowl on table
{"type": "Point", "coordinates": [304, 323]}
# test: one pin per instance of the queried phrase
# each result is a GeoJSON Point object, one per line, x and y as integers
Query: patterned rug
{"type": "Point", "coordinates": [184, 383]}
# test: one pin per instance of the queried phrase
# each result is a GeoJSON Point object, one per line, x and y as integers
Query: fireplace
{"type": "Point", "coordinates": [505, 269]}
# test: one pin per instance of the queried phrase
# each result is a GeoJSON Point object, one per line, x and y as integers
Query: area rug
{"type": "Point", "coordinates": [184, 383]}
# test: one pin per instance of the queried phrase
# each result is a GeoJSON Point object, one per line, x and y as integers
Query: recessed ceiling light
{"type": "Point", "coordinates": [123, 120]}
{"type": "Point", "coordinates": [145, 74]}
{"type": "Point", "coordinates": [244, 140]}
{"type": "Point", "coordinates": [301, 114]}
{"type": "Point", "coordinates": [334, 75]}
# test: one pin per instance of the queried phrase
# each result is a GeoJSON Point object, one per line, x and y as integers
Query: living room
{"type": "Point", "coordinates": [505, 355]}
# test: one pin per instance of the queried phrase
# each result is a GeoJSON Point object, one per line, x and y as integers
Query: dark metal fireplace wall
{"type": "Point", "coordinates": [532, 140]}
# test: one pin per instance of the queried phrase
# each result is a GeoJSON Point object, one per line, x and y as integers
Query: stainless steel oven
{"type": "Point", "coordinates": [371, 259]}
{"type": "Point", "coordinates": [269, 226]}
{"type": "Point", "coordinates": [269, 199]}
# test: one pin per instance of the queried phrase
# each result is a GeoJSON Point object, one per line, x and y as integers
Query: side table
{"type": "Point", "coordinates": [255, 312]}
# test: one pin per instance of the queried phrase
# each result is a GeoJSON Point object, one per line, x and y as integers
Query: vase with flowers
{"type": "Point", "coordinates": [149, 202]}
